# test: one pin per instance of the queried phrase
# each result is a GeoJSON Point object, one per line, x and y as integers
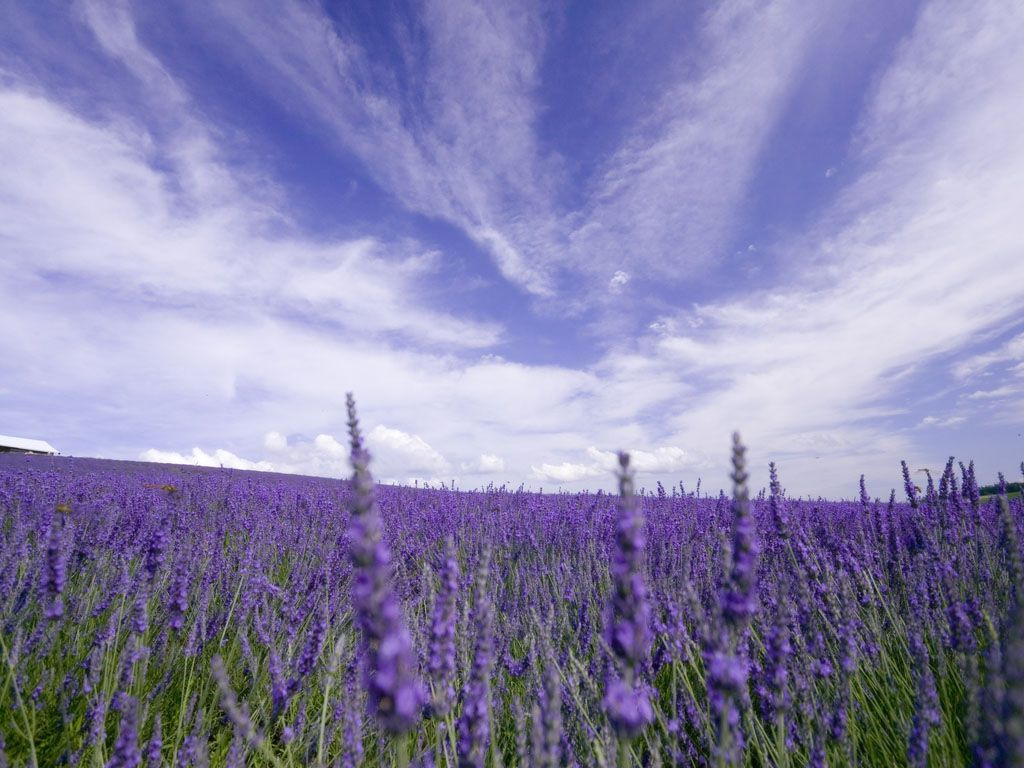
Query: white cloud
{"type": "Point", "coordinates": [935, 421]}
{"type": "Point", "coordinates": [1008, 352]}
{"type": "Point", "coordinates": [468, 158]}
{"type": "Point", "coordinates": [670, 194]}
{"type": "Point", "coordinates": [486, 463]}
{"type": "Point", "coordinates": [167, 220]}
{"type": "Point", "coordinates": [566, 472]}
{"type": "Point", "coordinates": [199, 458]}
{"type": "Point", "coordinates": [275, 442]}
{"type": "Point", "coordinates": [665, 461]}
{"type": "Point", "coordinates": [412, 452]}
{"type": "Point", "coordinates": [619, 281]}
{"type": "Point", "coordinates": [993, 394]}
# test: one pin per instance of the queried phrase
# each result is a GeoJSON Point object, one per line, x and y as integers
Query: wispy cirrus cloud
{"type": "Point", "coordinates": [892, 286]}
{"type": "Point", "coordinates": [453, 131]}
{"type": "Point", "coordinates": [454, 141]}
{"type": "Point", "coordinates": [670, 196]}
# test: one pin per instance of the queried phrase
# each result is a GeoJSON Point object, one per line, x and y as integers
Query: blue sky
{"type": "Point", "coordinates": [525, 235]}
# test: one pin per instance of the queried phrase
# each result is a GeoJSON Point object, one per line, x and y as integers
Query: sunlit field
{"type": "Point", "coordinates": [158, 615]}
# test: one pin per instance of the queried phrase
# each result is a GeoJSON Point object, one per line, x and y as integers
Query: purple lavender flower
{"type": "Point", "coordinates": [1011, 745]}
{"type": "Point", "coordinates": [778, 650]}
{"type": "Point", "coordinates": [908, 485]}
{"type": "Point", "coordinates": [442, 634]}
{"type": "Point", "coordinates": [628, 706]}
{"type": "Point", "coordinates": [238, 715]}
{"type": "Point", "coordinates": [311, 649]}
{"type": "Point", "coordinates": [548, 747]}
{"type": "Point", "coordinates": [178, 600]}
{"type": "Point", "coordinates": [155, 551]}
{"type": "Point", "coordinates": [474, 722]}
{"type": "Point", "coordinates": [56, 568]}
{"type": "Point", "coordinates": [739, 600]}
{"type": "Point", "coordinates": [394, 693]}
{"type": "Point", "coordinates": [926, 707]}
{"type": "Point", "coordinates": [726, 669]}
{"type": "Point", "coordinates": [279, 693]}
{"type": "Point", "coordinates": [140, 613]}
{"type": "Point", "coordinates": [155, 745]}
{"type": "Point", "coordinates": [630, 641]}
{"type": "Point", "coordinates": [126, 749]}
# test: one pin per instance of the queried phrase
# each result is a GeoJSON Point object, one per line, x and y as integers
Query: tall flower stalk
{"type": "Point", "coordinates": [474, 723]}
{"type": "Point", "coordinates": [626, 702]}
{"type": "Point", "coordinates": [726, 669]}
{"type": "Point", "coordinates": [442, 634]}
{"type": "Point", "coordinates": [395, 695]}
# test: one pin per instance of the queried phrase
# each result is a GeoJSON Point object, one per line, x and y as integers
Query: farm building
{"type": "Point", "coordinates": [10, 444]}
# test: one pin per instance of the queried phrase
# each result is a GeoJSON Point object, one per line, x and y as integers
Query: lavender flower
{"type": "Point", "coordinates": [155, 745]}
{"type": "Point", "coordinates": [626, 704]}
{"type": "Point", "coordinates": [474, 723]}
{"type": "Point", "coordinates": [740, 596]}
{"type": "Point", "coordinates": [926, 708]}
{"type": "Point", "coordinates": [238, 715]}
{"type": "Point", "coordinates": [778, 650]}
{"type": "Point", "coordinates": [56, 568]}
{"type": "Point", "coordinates": [155, 551]}
{"type": "Point", "coordinates": [311, 649]}
{"type": "Point", "coordinates": [395, 694]}
{"type": "Point", "coordinates": [726, 669]}
{"type": "Point", "coordinates": [908, 485]}
{"type": "Point", "coordinates": [126, 749]}
{"type": "Point", "coordinates": [1011, 747]}
{"type": "Point", "coordinates": [442, 634]}
{"type": "Point", "coordinates": [178, 602]}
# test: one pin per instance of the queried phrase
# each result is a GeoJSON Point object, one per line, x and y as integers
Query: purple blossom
{"type": "Point", "coordinates": [624, 701]}
{"type": "Point", "coordinates": [628, 707]}
{"type": "Point", "coordinates": [126, 749]}
{"type": "Point", "coordinates": [908, 485]}
{"type": "Point", "coordinates": [926, 707]}
{"type": "Point", "coordinates": [474, 722]}
{"type": "Point", "coordinates": [442, 634]}
{"type": "Point", "coordinates": [178, 599]}
{"type": "Point", "coordinates": [56, 568]}
{"type": "Point", "coordinates": [155, 745]}
{"type": "Point", "coordinates": [395, 695]}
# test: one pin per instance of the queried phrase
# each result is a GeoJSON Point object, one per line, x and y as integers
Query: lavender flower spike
{"type": "Point", "coordinates": [628, 707]}
{"type": "Point", "coordinates": [394, 693]}
{"type": "Point", "coordinates": [126, 750]}
{"type": "Point", "coordinates": [740, 597]}
{"type": "Point", "coordinates": [726, 668]}
{"type": "Point", "coordinates": [474, 724]}
{"type": "Point", "coordinates": [442, 634]}
{"type": "Point", "coordinates": [56, 568]}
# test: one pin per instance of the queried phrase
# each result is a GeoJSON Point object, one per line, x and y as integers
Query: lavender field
{"type": "Point", "coordinates": [159, 615]}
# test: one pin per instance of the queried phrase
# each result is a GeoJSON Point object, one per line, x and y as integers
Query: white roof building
{"type": "Point", "coordinates": [10, 444]}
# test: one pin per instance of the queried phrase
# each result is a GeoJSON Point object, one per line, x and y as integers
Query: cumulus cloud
{"type": "Point", "coordinates": [275, 442]}
{"type": "Point", "coordinates": [486, 463]}
{"type": "Point", "coordinates": [412, 452]}
{"type": "Point", "coordinates": [619, 281]}
{"type": "Point", "coordinates": [199, 458]}
{"type": "Point", "coordinates": [663, 461]}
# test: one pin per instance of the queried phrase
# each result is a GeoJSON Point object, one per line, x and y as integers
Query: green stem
{"type": "Point", "coordinates": [21, 704]}
{"type": "Point", "coordinates": [402, 752]}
